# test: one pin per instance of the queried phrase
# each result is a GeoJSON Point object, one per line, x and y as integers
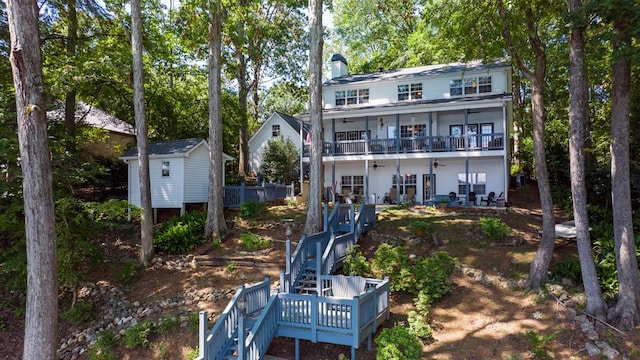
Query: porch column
{"type": "Point", "coordinates": [398, 180]}
{"type": "Point", "coordinates": [366, 162]}
{"type": "Point", "coordinates": [504, 151]}
{"type": "Point", "coordinates": [333, 180]}
{"type": "Point", "coordinates": [466, 164]}
{"type": "Point", "coordinates": [301, 156]}
{"type": "Point", "coordinates": [397, 134]}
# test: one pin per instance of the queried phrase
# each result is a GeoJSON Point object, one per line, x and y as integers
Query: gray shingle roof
{"type": "Point", "coordinates": [95, 117]}
{"type": "Point", "coordinates": [294, 123]}
{"type": "Point", "coordinates": [169, 147]}
{"type": "Point", "coordinates": [407, 73]}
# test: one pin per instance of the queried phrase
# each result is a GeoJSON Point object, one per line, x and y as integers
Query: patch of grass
{"type": "Point", "coordinates": [494, 228]}
{"type": "Point", "coordinates": [192, 354]}
{"type": "Point", "coordinates": [232, 266]}
{"type": "Point", "coordinates": [537, 343]}
{"type": "Point", "coordinates": [166, 325]}
{"type": "Point", "coordinates": [194, 322]}
{"type": "Point", "coordinates": [254, 242]}
{"type": "Point", "coordinates": [104, 347]}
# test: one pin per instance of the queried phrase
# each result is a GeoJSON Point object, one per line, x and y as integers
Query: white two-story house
{"type": "Point", "coordinates": [409, 134]}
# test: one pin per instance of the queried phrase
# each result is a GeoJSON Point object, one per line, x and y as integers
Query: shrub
{"type": "Point", "coordinates": [79, 314]}
{"type": "Point", "coordinates": [397, 343]}
{"type": "Point", "coordinates": [423, 304]}
{"type": "Point", "coordinates": [420, 227]}
{"type": "Point", "coordinates": [354, 262]}
{"type": "Point", "coordinates": [392, 262]}
{"type": "Point", "coordinates": [569, 269]}
{"type": "Point", "coordinates": [167, 324]}
{"type": "Point", "coordinates": [431, 276]}
{"type": "Point", "coordinates": [111, 211]}
{"type": "Point", "coordinates": [253, 242]}
{"type": "Point", "coordinates": [129, 272]}
{"type": "Point", "coordinates": [494, 228]}
{"type": "Point", "coordinates": [419, 326]}
{"type": "Point", "coordinates": [250, 209]}
{"type": "Point", "coordinates": [181, 234]}
{"type": "Point", "coordinates": [138, 335]}
{"type": "Point", "coordinates": [104, 347]}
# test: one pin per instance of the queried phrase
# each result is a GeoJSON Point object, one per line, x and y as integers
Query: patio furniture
{"type": "Point", "coordinates": [489, 199]}
{"type": "Point", "coordinates": [472, 198]}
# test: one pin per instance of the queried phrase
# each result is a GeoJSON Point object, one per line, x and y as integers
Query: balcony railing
{"type": "Point", "coordinates": [412, 145]}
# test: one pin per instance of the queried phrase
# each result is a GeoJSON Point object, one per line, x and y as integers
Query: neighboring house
{"type": "Point", "coordinates": [277, 125]}
{"type": "Point", "coordinates": [178, 171]}
{"type": "Point", "coordinates": [409, 134]}
{"type": "Point", "coordinates": [116, 137]}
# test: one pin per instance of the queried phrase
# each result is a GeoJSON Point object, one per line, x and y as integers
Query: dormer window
{"type": "Point", "coordinates": [470, 86]}
{"type": "Point", "coordinates": [410, 92]}
{"type": "Point", "coordinates": [352, 97]}
{"type": "Point", "coordinates": [275, 130]}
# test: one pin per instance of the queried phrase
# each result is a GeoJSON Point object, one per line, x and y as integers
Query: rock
{"type": "Point", "coordinates": [571, 313]}
{"type": "Point", "coordinates": [593, 335]}
{"type": "Point", "coordinates": [580, 318]}
{"type": "Point", "coordinates": [609, 352]}
{"type": "Point", "coordinates": [592, 349]}
{"type": "Point", "coordinates": [586, 327]}
{"type": "Point", "coordinates": [567, 282]}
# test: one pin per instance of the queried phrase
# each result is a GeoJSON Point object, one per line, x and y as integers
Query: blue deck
{"type": "Point", "coordinates": [308, 305]}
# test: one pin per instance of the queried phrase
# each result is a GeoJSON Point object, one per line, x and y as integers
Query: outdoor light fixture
{"type": "Point", "coordinates": [242, 305]}
{"type": "Point", "coordinates": [381, 123]}
{"type": "Point", "coordinates": [288, 232]}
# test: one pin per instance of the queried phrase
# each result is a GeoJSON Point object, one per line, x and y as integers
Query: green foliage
{"type": "Point", "coordinates": [494, 228]}
{"type": "Point", "coordinates": [569, 269]}
{"type": "Point", "coordinates": [104, 347]}
{"type": "Point", "coordinates": [138, 335]}
{"type": "Point", "coordinates": [129, 272]}
{"type": "Point", "coordinates": [166, 325]}
{"type": "Point", "coordinates": [423, 304]}
{"type": "Point", "coordinates": [193, 354]}
{"type": "Point", "coordinates": [280, 161]}
{"type": "Point", "coordinates": [537, 343]}
{"type": "Point", "coordinates": [254, 242]}
{"type": "Point", "coordinates": [13, 269]}
{"type": "Point", "coordinates": [232, 266]}
{"type": "Point", "coordinates": [81, 313]}
{"type": "Point", "coordinates": [355, 263]}
{"type": "Point", "coordinates": [111, 211]}
{"type": "Point", "coordinates": [392, 262]}
{"type": "Point", "coordinates": [398, 343]}
{"type": "Point", "coordinates": [181, 234]}
{"type": "Point", "coordinates": [420, 227]}
{"type": "Point", "coordinates": [194, 322]}
{"type": "Point", "coordinates": [430, 277]}
{"type": "Point", "coordinates": [419, 326]}
{"type": "Point", "coordinates": [250, 209]}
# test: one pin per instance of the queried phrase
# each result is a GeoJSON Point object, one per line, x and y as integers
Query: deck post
{"type": "Point", "coordinates": [241, 335]}
{"type": "Point", "coordinates": [297, 349]}
{"type": "Point", "coordinates": [202, 342]}
{"type": "Point", "coordinates": [314, 318]}
{"type": "Point", "coordinates": [242, 191]}
{"type": "Point", "coordinates": [355, 325]}
{"type": "Point", "coordinates": [352, 217]}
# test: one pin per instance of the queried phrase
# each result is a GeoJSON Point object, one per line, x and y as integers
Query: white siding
{"type": "Point", "coordinates": [196, 170]}
{"type": "Point", "coordinates": [167, 191]}
{"type": "Point", "coordinates": [134, 183]}
{"type": "Point", "coordinates": [258, 142]}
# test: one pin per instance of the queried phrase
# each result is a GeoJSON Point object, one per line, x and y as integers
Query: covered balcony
{"type": "Point", "coordinates": [417, 144]}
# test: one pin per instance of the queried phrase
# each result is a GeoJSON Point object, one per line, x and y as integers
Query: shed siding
{"type": "Point", "coordinates": [196, 170]}
{"type": "Point", "coordinates": [167, 191]}
{"type": "Point", "coordinates": [258, 142]}
{"type": "Point", "coordinates": [134, 183]}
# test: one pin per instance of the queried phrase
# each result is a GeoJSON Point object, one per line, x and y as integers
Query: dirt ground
{"type": "Point", "coordinates": [475, 321]}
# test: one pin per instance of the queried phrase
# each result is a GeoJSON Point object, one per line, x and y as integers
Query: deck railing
{"type": "Point", "coordinates": [216, 342]}
{"type": "Point", "coordinates": [418, 144]}
{"type": "Point", "coordinates": [295, 263]}
{"type": "Point", "coordinates": [234, 196]}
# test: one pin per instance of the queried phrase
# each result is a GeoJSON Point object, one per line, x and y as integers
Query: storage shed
{"type": "Point", "coordinates": [178, 171]}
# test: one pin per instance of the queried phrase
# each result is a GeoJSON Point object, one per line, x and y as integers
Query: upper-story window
{"type": "Point", "coordinates": [410, 91]}
{"type": "Point", "coordinates": [351, 97]}
{"type": "Point", "coordinates": [470, 86]}
{"type": "Point", "coordinates": [275, 130]}
{"type": "Point", "coordinates": [165, 168]}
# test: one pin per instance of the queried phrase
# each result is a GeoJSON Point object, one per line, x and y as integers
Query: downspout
{"type": "Point", "coordinates": [431, 157]}
{"type": "Point", "coordinates": [504, 151]}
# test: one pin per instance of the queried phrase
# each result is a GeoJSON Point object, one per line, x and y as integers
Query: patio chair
{"type": "Point", "coordinates": [393, 196]}
{"type": "Point", "coordinates": [489, 199]}
{"type": "Point", "coordinates": [472, 198]}
{"type": "Point", "coordinates": [411, 195]}
{"type": "Point", "coordinates": [454, 200]}
{"type": "Point", "coordinates": [348, 286]}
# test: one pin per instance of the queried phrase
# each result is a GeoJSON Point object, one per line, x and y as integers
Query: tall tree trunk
{"type": "Point", "coordinates": [70, 96]}
{"type": "Point", "coordinates": [216, 226]}
{"type": "Point", "coordinates": [146, 229]}
{"type": "Point", "coordinates": [40, 334]}
{"type": "Point", "coordinates": [540, 264]}
{"type": "Point", "coordinates": [578, 116]}
{"type": "Point", "coordinates": [314, 214]}
{"type": "Point", "coordinates": [243, 94]}
{"type": "Point", "coordinates": [626, 312]}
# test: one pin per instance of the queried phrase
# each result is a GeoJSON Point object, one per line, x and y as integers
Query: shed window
{"type": "Point", "coordinates": [275, 130]}
{"type": "Point", "coordinates": [165, 168]}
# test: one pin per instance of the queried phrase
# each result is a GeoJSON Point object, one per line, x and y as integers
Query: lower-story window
{"type": "Point", "coordinates": [477, 183]}
{"type": "Point", "coordinates": [408, 185]}
{"type": "Point", "coordinates": [353, 184]}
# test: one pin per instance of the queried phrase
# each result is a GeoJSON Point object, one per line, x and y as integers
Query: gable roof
{"type": "Point", "coordinates": [419, 71]}
{"type": "Point", "coordinates": [171, 148]}
{"type": "Point", "coordinates": [293, 122]}
{"type": "Point", "coordinates": [90, 115]}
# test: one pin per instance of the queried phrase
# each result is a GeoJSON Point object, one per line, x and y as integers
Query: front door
{"type": "Point", "coordinates": [429, 190]}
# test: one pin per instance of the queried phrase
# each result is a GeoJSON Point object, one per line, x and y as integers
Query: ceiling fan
{"type": "Point", "coordinates": [436, 164]}
{"type": "Point", "coordinates": [375, 165]}
{"type": "Point", "coordinates": [344, 121]}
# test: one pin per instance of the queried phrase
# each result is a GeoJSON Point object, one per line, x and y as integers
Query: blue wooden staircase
{"type": "Point", "coordinates": [311, 303]}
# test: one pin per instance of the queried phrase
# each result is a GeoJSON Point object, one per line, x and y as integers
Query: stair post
{"type": "Point", "coordinates": [318, 268]}
{"type": "Point", "coordinates": [352, 217]}
{"type": "Point", "coordinates": [202, 342]}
